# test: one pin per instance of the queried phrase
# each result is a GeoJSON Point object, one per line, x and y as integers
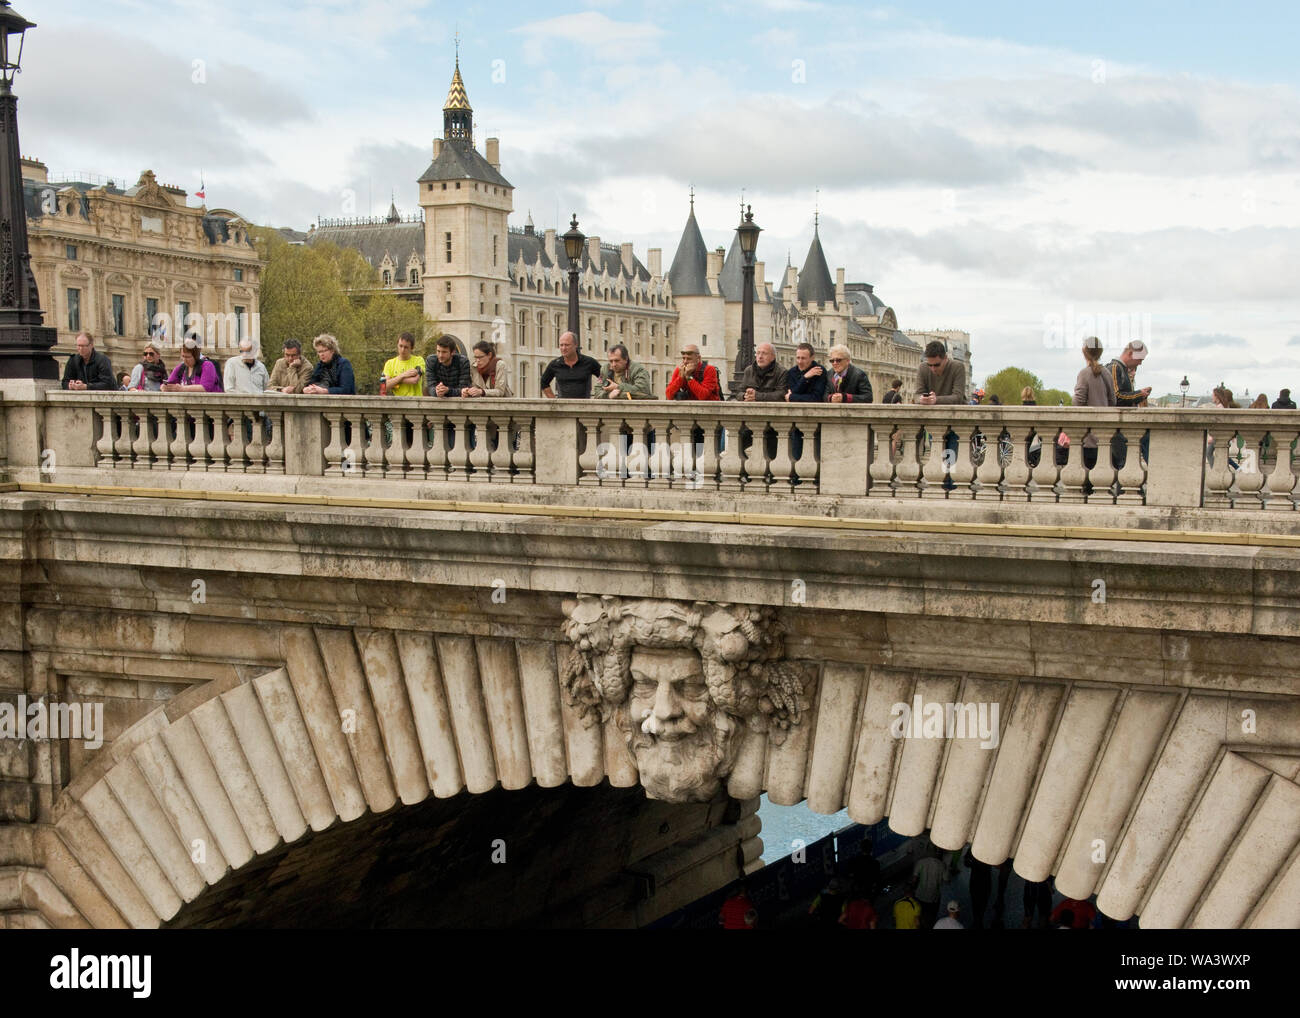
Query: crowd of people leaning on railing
{"type": "Point", "coordinates": [448, 373]}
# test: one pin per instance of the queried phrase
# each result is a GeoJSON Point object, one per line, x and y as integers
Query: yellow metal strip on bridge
{"type": "Point", "coordinates": [682, 516]}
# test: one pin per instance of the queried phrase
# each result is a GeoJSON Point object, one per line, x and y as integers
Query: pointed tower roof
{"type": "Point", "coordinates": [731, 281]}
{"type": "Point", "coordinates": [688, 275]}
{"type": "Point", "coordinates": [457, 99]}
{"type": "Point", "coordinates": [393, 215]}
{"type": "Point", "coordinates": [815, 286]}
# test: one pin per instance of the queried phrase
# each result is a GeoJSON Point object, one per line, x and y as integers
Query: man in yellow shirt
{"type": "Point", "coordinates": [404, 374]}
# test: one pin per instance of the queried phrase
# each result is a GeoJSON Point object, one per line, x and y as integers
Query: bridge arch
{"type": "Point", "coordinates": [358, 720]}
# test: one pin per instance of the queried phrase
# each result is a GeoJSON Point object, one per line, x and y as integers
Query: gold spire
{"type": "Point", "coordinates": [456, 97]}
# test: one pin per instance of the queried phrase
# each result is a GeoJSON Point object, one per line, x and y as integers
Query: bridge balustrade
{"type": "Point", "coordinates": [1157, 457]}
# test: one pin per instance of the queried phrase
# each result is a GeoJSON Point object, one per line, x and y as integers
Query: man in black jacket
{"type": "Point", "coordinates": [764, 380]}
{"type": "Point", "coordinates": [846, 383]}
{"type": "Point", "coordinates": [1284, 401]}
{"type": "Point", "coordinates": [88, 368]}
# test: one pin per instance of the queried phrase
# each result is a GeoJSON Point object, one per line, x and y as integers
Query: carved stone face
{"type": "Point", "coordinates": [683, 743]}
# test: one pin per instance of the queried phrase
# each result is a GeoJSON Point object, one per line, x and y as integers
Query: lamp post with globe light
{"type": "Point", "coordinates": [748, 232]}
{"type": "Point", "coordinates": [1184, 385]}
{"type": "Point", "coordinates": [573, 241]}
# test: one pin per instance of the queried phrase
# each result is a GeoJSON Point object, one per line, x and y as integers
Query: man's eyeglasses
{"type": "Point", "coordinates": [934, 364]}
{"type": "Point", "coordinates": [837, 360]}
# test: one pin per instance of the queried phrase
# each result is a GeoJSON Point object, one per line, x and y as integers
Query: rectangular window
{"type": "Point", "coordinates": [74, 310]}
{"type": "Point", "coordinates": [119, 314]}
{"type": "Point", "coordinates": [239, 275]}
{"type": "Point", "coordinates": [150, 313]}
{"type": "Point", "coordinates": [494, 254]}
{"type": "Point", "coordinates": [704, 340]}
{"type": "Point", "coordinates": [448, 307]}
{"type": "Point", "coordinates": [447, 238]}
{"type": "Point", "coordinates": [182, 313]}
{"type": "Point", "coordinates": [480, 307]}
{"type": "Point", "coordinates": [71, 251]}
{"type": "Point", "coordinates": [239, 323]}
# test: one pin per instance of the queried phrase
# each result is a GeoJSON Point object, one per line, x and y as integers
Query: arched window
{"type": "Point", "coordinates": [388, 278]}
{"type": "Point", "coordinates": [415, 277]}
{"type": "Point", "coordinates": [654, 329]}
{"type": "Point", "coordinates": [523, 328]}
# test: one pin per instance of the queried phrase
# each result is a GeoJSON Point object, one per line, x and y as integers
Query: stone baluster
{"type": "Point", "coordinates": [212, 456]}
{"type": "Point", "coordinates": [1132, 475]}
{"type": "Point", "coordinates": [781, 466]}
{"type": "Point", "coordinates": [143, 439]}
{"type": "Point", "coordinates": [104, 441]}
{"type": "Point", "coordinates": [989, 472]}
{"type": "Point", "coordinates": [730, 464]}
{"type": "Point", "coordinates": [122, 437]}
{"type": "Point", "coordinates": [683, 454]}
{"type": "Point", "coordinates": [756, 461]}
{"type": "Point", "coordinates": [523, 454]}
{"type": "Point", "coordinates": [236, 447]}
{"type": "Point", "coordinates": [500, 461]}
{"type": "Point", "coordinates": [270, 456]}
{"type": "Point", "coordinates": [333, 451]}
{"type": "Point", "coordinates": [438, 452]}
{"type": "Point", "coordinates": [1044, 475]}
{"type": "Point", "coordinates": [1250, 475]}
{"type": "Point", "coordinates": [462, 456]}
{"type": "Point", "coordinates": [1073, 473]}
{"type": "Point", "coordinates": [1281, 480]}
{"type": "Point", "coordinates": [588, 459]}
{"type": "Point", "coordinates": [634, 454]}
{"type": "Point", "coordinates": [1218, 474]}
{"type": "Point", "coordinates": [707, 461]}
{"type": "Point", "coordinates": [417, 451]}
{"type": "Point", "coordinates": [197, 450]}
{"type": "Point", "coordinates": [481, 455]}
{"type": "Point", "coordinates": [371, 426]}
{"type": "Point", "coordinates": [354, 458]}
{"type": "Point", "coordinates": [395, 454]}
{"type": "Point", "coordinates": [908, 472]}
{"type": "Point", "coordinates": [160, 446]}
{"type": "Point", "coordinates": [880, 467]}
{"type": "Point", "coordinates": [1015, 474]}
{"type": "Point", "coordinates": [659, 463]}
{"type": "Point", "coordinates": [963, 469]}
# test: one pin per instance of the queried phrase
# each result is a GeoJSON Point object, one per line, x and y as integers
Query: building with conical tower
{"type": "Point", "coordinates": [480, 278]}
{"type": "Point", "coordinates": [805, 305]}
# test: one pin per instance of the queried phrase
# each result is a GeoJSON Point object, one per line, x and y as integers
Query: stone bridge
{"type": "Point", "coordinates": [355, 669]}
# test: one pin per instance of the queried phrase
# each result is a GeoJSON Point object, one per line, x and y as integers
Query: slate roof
{"type": "Point", "coordinates": [731, 280]}
{"type": "Point", "coordinates": [815, 286]}
{"type": "Point", "coordinates": [688, 274]}
{"type": "Point", "coordinates": [862, 299]}
{"type": "Point", "coordinates": [398, 240]}
{"type": "Point", "coordinates": [533, 248]}
{"type": "Point", "coordinates": [460, 160]}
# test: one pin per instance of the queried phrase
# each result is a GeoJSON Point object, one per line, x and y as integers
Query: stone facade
{"type": "Point", "coordinates": [481, 278]}
{"type": "Point", "coordinates": [109, 259]}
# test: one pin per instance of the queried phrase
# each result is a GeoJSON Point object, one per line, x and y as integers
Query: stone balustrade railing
{"type": "Point", "coordinates": [1235, 459]}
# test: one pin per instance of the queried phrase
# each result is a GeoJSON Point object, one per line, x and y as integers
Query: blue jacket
{"type": "Point", "coordinates": [806, 390]}
{"type": "Point", "coordinates": [335, 376]}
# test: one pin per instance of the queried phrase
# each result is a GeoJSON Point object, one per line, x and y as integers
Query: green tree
{"type": "Point", "coordinates": [1008, 383]}
{"type": "Point", "coordinates": [309, 289]}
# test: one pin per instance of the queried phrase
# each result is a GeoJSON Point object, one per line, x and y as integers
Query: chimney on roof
{"type": "Point", "coordinates": [550, 245]}
{"type": "Point", "coordinates": [625, 250]}
{"type": "Point", "coordinates": [34, 169]}
{"type": "Point", "coordinates": [494, 153]}
{"type": "Point", "coordinates": [713, 267]}
{"type": "Point", "coordinates": [839, 286]}
{"type": "Point", "coordinates": [760, 280]}
{"type": "Point", "coordinates": [656, 256]}
{"type": "Point", "coordinates": [593, 252]}
{"type": "Point", "coordinates": [437, 147]}
{"type": "Point", "coordinates": [792, 283]}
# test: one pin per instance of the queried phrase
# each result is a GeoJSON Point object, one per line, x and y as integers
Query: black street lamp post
{"type": "Point", "coordinates": [1184, 385]}
{"type": "Point", "coordinates": [573, 241]}
{"type": "Point", "coordinates": [25, 340]}
{"type": "Point", "coordinates": [748, 232]}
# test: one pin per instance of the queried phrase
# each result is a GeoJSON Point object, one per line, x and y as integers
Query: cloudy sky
{"type": "Point", "coordinates": [1024, 172]}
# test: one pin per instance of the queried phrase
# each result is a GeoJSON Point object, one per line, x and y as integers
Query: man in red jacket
{"type": "Point", "coordinates": [693, 379]}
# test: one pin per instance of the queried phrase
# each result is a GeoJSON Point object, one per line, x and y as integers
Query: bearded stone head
{"type": "Point", "coordinates": [682, 683]}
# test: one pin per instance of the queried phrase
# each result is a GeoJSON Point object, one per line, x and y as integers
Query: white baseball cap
{"type": "Point", "coordinates": [1137, 350]}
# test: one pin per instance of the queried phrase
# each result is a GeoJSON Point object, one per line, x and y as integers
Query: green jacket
{"type": "Point", "coordinates": [635, 384]}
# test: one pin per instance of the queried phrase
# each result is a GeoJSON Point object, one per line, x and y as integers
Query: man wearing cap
{"type": "Point", "coordinates": [1123, 369]}
{"type": "Point", "coordinates": [246, 373]}
{"type": "Point", "coordinates": [949, 922]}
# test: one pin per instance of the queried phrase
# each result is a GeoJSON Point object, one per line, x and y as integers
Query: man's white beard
{"type": "Point", "coordinates": [690, 769]}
